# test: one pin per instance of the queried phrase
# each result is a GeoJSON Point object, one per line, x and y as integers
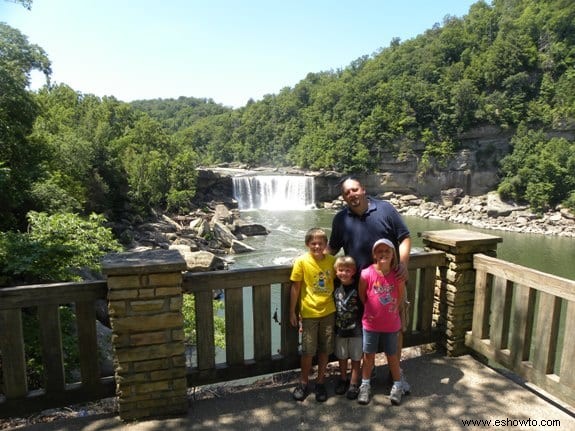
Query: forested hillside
{"type": "Point", "coordinates": [508, 63]}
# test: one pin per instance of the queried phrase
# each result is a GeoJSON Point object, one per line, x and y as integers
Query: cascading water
{"type": "Point", "coordinates": [274, 192]}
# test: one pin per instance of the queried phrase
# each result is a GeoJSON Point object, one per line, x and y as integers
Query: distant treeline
{"type": "Point", "coordinates": [510, 64]}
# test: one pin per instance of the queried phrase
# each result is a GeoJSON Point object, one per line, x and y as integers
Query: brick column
{"type": "Point", "coordinates": [145, 305]}
{"type": "Point", "coordinates": [455, 283]}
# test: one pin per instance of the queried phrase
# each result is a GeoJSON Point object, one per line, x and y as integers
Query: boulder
{"type": "Point", "coordinates": [240, 247]}
{"type": "Point", "coordinates": [223, 215]}
{"type": "Point", "coordinates": [202, 261]}
{"type": "Point", "coordinates": [451, 197]}
{"type": "Point", "coordinates": [200, 227]}
{"type": "Point", "coordinates": [249, 229]}
{"type": "Point", "coordinates": [223, 234]}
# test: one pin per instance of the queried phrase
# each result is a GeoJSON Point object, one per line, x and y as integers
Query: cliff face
{"type": "Point", "coordinates": [474, 169]}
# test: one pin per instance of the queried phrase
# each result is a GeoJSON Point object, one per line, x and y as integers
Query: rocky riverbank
{"type": "Point", "coordinates": [485, 212]}
{"type": "Point", "coordinates": [209, 237]}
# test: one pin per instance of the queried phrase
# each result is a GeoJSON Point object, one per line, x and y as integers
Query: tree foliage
{"type": "Point", "coordinates": [508, 63]}
{"type": "Point", "coordinates": [56, 248]}
{"type": "Point", "coordinates": [20, 158]}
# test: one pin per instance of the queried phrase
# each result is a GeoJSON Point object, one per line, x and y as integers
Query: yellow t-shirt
{"type": "Point", "coordinates": [316, 295]}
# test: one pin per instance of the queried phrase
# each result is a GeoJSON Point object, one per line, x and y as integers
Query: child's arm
{"type": "Point", "coordinates": [294, 298]}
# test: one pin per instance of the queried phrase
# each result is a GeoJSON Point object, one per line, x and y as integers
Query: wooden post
{"type": "Point", "coordinates": [145, 304]}
{"type": "Point", "coordinates": [455, 283]}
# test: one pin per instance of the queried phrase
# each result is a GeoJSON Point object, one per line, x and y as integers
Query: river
{"type": "Point", "coordinates": [551, 254]}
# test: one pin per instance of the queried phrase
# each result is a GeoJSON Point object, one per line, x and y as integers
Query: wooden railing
{"type": "Point", "coordinates": [44, 301]}
{"type": "Point", "coordinates": [524, 320]}
{"type": "Point", "coordinates": [263, 283]}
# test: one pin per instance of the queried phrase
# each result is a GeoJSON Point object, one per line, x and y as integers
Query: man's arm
{"type": "Point", "coordinates": [362, 290]}
{"type": "Point", "coordinates": [329, 250]}
{"type": "Point", "coordinates": [404, 251]}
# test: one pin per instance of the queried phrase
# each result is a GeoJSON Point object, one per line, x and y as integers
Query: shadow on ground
{"type": "Point", "coordinates": [445, 392]}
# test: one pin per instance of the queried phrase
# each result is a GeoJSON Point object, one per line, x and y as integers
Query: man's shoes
{"type": "Point", "coordinates": [352, 392]}
{"type": "Point", "coordinates": [341, 386]}
{"type": "Point", "coordinates": [300, 392]}
{"type": "Point", "coordinates": [320, 392]}
{"type": "Point", "coordinates": [364, 395]}
{"type": "Point", "coordinates": [396, 393]}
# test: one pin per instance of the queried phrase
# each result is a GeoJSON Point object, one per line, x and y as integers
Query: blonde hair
{"type": "Point", "coordinates": [344, 261]}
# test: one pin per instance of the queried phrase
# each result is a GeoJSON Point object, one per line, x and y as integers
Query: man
{"type": "Point", "coordinates": [364, 221]}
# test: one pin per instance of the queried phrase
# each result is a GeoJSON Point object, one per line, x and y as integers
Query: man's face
{"type": "Point", "coordinates": [353, 193]}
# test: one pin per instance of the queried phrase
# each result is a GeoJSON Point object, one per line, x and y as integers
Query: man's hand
{"type": "Point", "coordinates": [402, 273]}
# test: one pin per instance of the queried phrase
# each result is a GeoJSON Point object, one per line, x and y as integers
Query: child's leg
{"type": "Point", "coordinates": [399, 344]}
{"type": "Point", "coordinates": [322, 359]}
{"type": "Point", "coordinates": [367, 368]}
{"type": "Point", "coordinates": [325, 343]}
{"type": "Point", "coordinates": [393, 361]}
{"type": "Point", "coordinates": [343, 369]}
{"type": "Point", "coordinates": [306, 364]}
{"type": "Point", "coordinates": [355, 372]}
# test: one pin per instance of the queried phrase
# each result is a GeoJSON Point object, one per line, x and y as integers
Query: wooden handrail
{"type": "Point", "coordinates": [516, 322]}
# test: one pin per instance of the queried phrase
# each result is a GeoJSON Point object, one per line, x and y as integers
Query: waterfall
{"type": "Point", "coordinates": [274, 192]}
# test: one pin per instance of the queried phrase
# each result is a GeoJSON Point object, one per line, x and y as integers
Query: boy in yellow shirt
{"type": "Point", "coordinates": [312, 279]}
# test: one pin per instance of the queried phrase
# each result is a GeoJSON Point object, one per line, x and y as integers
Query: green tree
{"type": "Point", "coordinates": [144, 150]}
{"type": "Point", "coordinates": [20, 157]}
{"type": "Point", "coordinates": [182, 181]}
{"type": "Point", "coordinates": [540, 171]}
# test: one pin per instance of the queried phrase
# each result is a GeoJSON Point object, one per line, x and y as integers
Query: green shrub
{"type": "Point", "coordinates": [55, 248]}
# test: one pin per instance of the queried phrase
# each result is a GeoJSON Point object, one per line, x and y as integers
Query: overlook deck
{"type": "Point", "coordinates": [463, 301]}
{"type": "Point", "coordinates": [445, 393]}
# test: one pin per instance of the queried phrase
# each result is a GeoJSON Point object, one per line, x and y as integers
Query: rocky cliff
{"type": "Point", "coordinates": [474, 169]}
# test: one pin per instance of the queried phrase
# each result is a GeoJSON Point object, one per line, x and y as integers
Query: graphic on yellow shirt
{"type": "Point", "coordinates": [320, 285]}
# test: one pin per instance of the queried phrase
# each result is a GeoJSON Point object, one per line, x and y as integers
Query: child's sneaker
{"type": "Point", "coordinates": [396, 393]}
{"type": "Point", "coordinates": [352, 392]}
{"type": "Point", "coordinates": [300, 392]}
{"type": "Point", "coordinates": [320, 392]}
{"type": "Point", "coordinates": [341, 386]}
{"type": "Point", "coordinates": [364, 395]}
{"type": "Point", "coordinates": [406, 386]}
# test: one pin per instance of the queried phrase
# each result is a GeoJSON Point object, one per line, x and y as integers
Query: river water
{"type": "Point", "coordinates": [550, 254]}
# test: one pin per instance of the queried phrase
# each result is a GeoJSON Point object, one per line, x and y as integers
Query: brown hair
{"type": "Point", "coordinates": [315, 232]}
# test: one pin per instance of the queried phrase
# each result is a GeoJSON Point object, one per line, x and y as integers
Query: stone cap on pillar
{"type": "Point", "coordinates": [145, 262]}
{"type": "Point", "coordinates": [460, 240]}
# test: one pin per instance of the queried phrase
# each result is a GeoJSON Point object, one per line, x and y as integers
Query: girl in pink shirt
{"type": "Point", "coordinates": [381, 293]}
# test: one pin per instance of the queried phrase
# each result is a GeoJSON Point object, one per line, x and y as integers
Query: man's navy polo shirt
{"type": "Point", "coordinates": [357, 234]}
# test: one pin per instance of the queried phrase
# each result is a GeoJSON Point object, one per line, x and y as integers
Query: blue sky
{"type": "Point", "coordinates": [229, 51]}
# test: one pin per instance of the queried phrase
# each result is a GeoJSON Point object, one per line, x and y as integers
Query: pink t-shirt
{"type": "Point", "coordinates": [381, 308]}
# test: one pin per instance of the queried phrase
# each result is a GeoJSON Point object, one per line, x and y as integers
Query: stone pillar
{"type": "Point", "coordinates": [145, 305]}
{"type": "Point", "coordinates": [455, 283]}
